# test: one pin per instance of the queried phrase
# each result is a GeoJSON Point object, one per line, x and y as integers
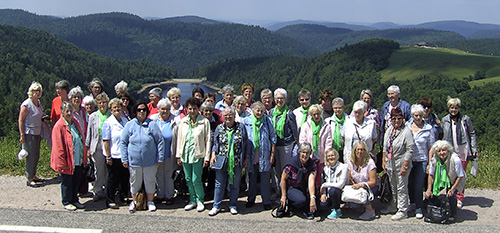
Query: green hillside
{"type": "Point", "coordinates": [31, 55]}
{"type": "Point", "coordinates": [180, 45]}
{"type": "Point", "coordinates": [412, 62]}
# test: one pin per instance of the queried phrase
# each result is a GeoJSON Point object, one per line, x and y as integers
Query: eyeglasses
{"type": "Point", "coordinates": [141, 110]}
{"type": "Point", "coordinates": [280, 98]}
{"type": "Point", "coordinates": [397, 118]}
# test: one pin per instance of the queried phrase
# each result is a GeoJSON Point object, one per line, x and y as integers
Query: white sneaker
{"type": "Point", "coordinates": [233, 210]}
{"type": "Point", "coordinates": [151, 206]}
{"type": "Point", "coordinates": [190, 206]}
{"type": "Point", "coordinates": [200, 206]}
{"type": "Point", "coordinates": [131, 207]}
{"type": "Point", "coordinates": [70, 207]}
{"type": "Point", "coordinates": [459, 204]}
{"type": "Point", "coordinates": [419, 214]}
{"type": "Point", "coordinates": [399, 216]}
{"type": "Point", "coordinates": [214, 211]}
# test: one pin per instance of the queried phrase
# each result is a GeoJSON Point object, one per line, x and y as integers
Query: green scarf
{"type": "Point", "coordinates": [441, 178]}
{"type": "Point", "coordinates": [102, 118]}
{"type": "Point", "coordinates": [337, 138]}
{"type": "Point", "coordinates": [256, 123]}
{"type": "Point", "coordinates": [304, 114]}
{"type": "Point", "coordinates": [279, 126]}
{"type": "Point", "coordinates": [230, 164]}
{"type": "Point", "coordinates": [316, 129]}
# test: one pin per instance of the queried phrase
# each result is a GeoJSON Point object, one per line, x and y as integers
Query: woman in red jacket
{"type": "Point", "coordinates": [68, 155]}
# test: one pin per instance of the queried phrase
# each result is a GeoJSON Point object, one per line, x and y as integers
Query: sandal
{"type": "Point", "coordinates": [32, 184]}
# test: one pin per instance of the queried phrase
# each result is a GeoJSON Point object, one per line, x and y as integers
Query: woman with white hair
{"type": "Point", "coordinates": [154, 97]}
{"type": "Point", "coordinates": [90, 106]}
{"type": "Point", "coordinates": [459, 132]}
{"type": "Point", "coordinates": [239, 104]}
{"type": "Point", "coordinates": [393, 94]}
{"type": "Point", "coordinates": [121, 87]}
{"type": "Point", "coordinates": [337, 122]}
{"type": "Point", "coordinates": [228, 96]}
{"type": "Point", "coordinates": [168, 127]}
{"type": "Point", "coordinates": [176, 109]}
{"type": "Point", "coordinates": [285, 127]}
{"type": "Point", "coordinates": [446, 175]}
{"type": "Point", "coordinates": [75, 96]}
{"type": "Point", "coordinates": [423, 135]}
{"type": "Point", "coordinates": [95, 87]}
{"type": "Point", "coordinates": [31, 118]}
{"type": "Point", "coordinates": [359, 128]}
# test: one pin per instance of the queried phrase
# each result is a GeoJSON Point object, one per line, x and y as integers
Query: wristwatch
{"type": "Point", "coordinates": [406, 167]}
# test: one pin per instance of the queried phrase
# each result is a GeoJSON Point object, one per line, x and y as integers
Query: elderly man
{"type": "Point", "coordinates": [394, 101]}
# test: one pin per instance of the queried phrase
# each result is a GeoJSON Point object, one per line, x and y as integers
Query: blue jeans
{"type": "Point", "coordinates": [416, 183]}
{"type": "Point", "coordinates": [265, 189]}
{"type": "Point", "coordinates": [333, 200]}
{"type": "Point", "coordinates": [221, 178]}
{"type": "Point", "coordinates": [70, 185]}
{"type": "Point", "coordinates": [297, 199]}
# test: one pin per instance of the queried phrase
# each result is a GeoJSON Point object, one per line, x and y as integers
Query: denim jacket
{"type": "Point", "coordinates": [267, 139]}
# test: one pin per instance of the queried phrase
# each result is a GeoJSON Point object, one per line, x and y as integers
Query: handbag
{"type": "Point", "coordinates": [385, 192]}
{"type": "Point", "coordinates": [281, 211]}
{"type": "Point", "coordinates": [219, 162]}
{"type": "Point", "coordinates": [358, 196]}
{"type": "Point", "coordinates": [440, 213]}
{"type": "Point", "coordinates": [89, 171]}
{"type": "Point", "coordinates": [141, 199]}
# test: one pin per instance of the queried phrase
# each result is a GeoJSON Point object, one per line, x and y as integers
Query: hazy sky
{"type": "Point", "coordinates": [260, 11]}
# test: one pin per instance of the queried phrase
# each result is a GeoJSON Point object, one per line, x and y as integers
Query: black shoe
{"type": "Point", "coordinates": [32, 184]}
{"type": "Point", "coordinates": [169, 201]}
{"type": "Point", "coordinates": [309, 215]}
{"type": "Point", "coordinates": [249, 204]}
{"type": "Point", "coordinates": [268, 207]}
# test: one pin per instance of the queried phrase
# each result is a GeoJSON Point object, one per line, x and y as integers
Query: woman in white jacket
{"type": "Point", "coordinates": [334, 178]}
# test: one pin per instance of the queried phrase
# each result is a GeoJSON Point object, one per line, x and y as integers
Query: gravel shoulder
{"type": "Point", "coordinates": [480, 206]}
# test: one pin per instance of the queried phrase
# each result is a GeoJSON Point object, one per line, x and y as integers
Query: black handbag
{"type": "Point", "coordinates": [280, 211]}
{"type": "Point", "coordinates": [89, 171]}
{"type": "Point", "coordinates": [439, 213]}
{"type": "Point", "coordinates": [385, 192]}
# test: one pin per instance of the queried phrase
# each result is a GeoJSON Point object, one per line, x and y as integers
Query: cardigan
{"type": "Point", "coordinates": [62, 147]}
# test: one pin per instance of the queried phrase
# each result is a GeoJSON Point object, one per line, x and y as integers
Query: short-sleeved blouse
{"type": "Point", "coordinates": [362, 175]}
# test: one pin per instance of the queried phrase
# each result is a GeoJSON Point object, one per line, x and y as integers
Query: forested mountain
{"type": "Point", "coordinates": [182, 46]}
{"type": "Point", "coordinates": [190, 19]}
{"type": "Point", "coordinates": [485, 34]}
{"type": "Point", "coordinates": [461, 27]}
{"type": "Point", "coordinates": [31, 55]}
{"type": "Point", "coordinates": [354, 27]}
{"type": "Point", "coordinates": [352, 68]}
{"type": "Point", "coordinates": [480, 46]}
{"type": "Point", "coordinates": [327, 39]}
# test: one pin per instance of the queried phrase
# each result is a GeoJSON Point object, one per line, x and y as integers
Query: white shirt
{"type": "Point", "coordinates": [112, 131]}
{"type": "Point", "coordinates": [366, 132]}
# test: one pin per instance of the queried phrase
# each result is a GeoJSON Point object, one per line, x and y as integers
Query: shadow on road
{"type": "Point", "coordinates": [482, 202]}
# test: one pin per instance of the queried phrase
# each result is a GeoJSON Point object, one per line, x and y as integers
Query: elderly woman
{"type": "Point", "coordinates": [62, 89]}
{"type": "Point", "coordinates": [68, 156]}
{"type": "Point", "coordinates": [211, 97]}
{"type": "Point", "coordinates": [118, 175]}
{"type": "Point", "coordinates": [446, 174]}
{"type": "Point", "coordinates": [262, 141]}
{"type": "Point", "coordinates": [285, 127]}
{"type": "Point", "coordinates": [334, 178]}
{"type": "Point", "coordinates": [301, 113]}
{"type": "Point", "coordinates": [168, 127]}
{"type": "Point", "coordinates": [95, 87]}
{"type": "Point", "coordinates": [127, 105]}
{"type": "Point", "coordinates": [325, 98]}
{"type": "Point", "coordinates": [154, 97]}
{"type": "Point", "coordinates": [90, 106]}
{"type": "Point", "coordinates": [30, 129]}
{"type": "Point", "coordinates": [193, 150]}
{"type": "Point", "coordinates": [431, 118]}
{"type": "Point", "coordinates": [174, 95]}
{"type": "Point", "coordinates": [337, 122]}
{"type": "Point", "coordinates": [142, 151]}
{"type": "Point", "coordinates": [247, 90]}
{"type": "Point", "coordinates": [239, 104]}
{"type": "Point", "coordinates": [208, 111]}
{"type": "Point", "coordinates": [297, 183]}
{"type": "Point", "coordinates": [397, 156]}
{"type": "Point", "coordinates": [266, 97]}
{"type": "Point", "coordinates": [394, 101]}
{"type": "Point", "coordinates": [227, 98]}
{"type": "Point", "coordinates": [75, 97]}
{"type": "Point", "coordinates": [423, 135]}
{"type": "Point", "coordinates": [459, 132]}
{"type": "Point", "coordinates": [121, 87]}
{"type": "Point", "coordinates": [93, 142]}
{"type": "Point", "coordinates": [317, 133]}
{"type": "Point", "coordinates": [359, 128]}
{"type": "Point", "coordinates": [230, 141]}
{"type": "Point", "coordinates": [362, 172]}
{"type": "Point", "coordinates": [370, 112]}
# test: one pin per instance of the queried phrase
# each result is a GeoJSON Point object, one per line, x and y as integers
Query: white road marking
{"type": "Point", "coordinates": [46, 229]}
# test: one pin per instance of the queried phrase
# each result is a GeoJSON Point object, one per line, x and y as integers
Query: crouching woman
{"type": "Point", "coordinates": [445, 174]}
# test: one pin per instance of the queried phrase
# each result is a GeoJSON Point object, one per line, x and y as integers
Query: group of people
{"type": "Point", "coordinates": [304, 157]}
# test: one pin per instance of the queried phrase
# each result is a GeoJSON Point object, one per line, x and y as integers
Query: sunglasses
{"type": "Point", "coordinates": [141, 110]}
{"type": "Point", "coordinates": [303, 99]}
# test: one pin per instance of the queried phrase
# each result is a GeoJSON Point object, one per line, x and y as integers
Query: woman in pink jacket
{"type": "Point", "coordinates": [68, 155]}
{"type": "Point", "coordinates": [317, 132]}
